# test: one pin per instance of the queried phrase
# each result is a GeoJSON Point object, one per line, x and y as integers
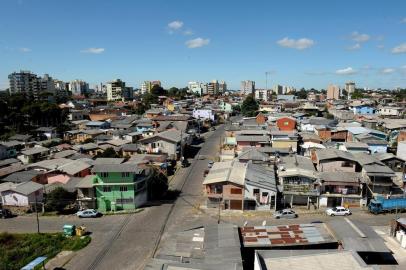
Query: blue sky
{"type": "Point", "coordinates": [301, 43]}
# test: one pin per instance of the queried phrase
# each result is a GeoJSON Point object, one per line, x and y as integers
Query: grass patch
{"type": "Point", "coordinates": [17, 250]}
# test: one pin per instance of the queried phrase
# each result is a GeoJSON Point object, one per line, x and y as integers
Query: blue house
{"type": "Point", "coordinates": [363, 109]}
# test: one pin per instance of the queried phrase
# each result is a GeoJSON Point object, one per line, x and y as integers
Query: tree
{"type": "Point", "coordinates": [249, 106]}
{"type": "Point", "coordinates": [302, 94]}
{"type": "Point", "coordinates": [357, 94]}
{"type": "Point", "coordinates": [148, 99]}
{"type": "Point", "coordinates": [158, 91]}
{"type": "Point", "coordinates": [58, 199]}
{"type": "Point", "coordinates": [108, 153]}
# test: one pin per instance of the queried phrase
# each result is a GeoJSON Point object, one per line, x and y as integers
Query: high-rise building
{"type": "Point", "coordinates": [78, 87]}
{"type": "Point", "coordinates": [195, 87]}
{"type": "Point", "coordinates": [146, 86]}
{"type": "Point", "coordinates": [350, 88]}
{"type": "Point", "coordinates": [213, 88]}
{"type": "Point", "coordinates": [247, 87]}
{"type": "Point", "coordinates": [263, 94]}
{"type": "Point", "coordinates": [60, 85]}
{"type": "Point", "coordinates": [26, 83]}
{"type": "Point", "coordinates": [333, 92]}
{"type": "Point", "coordinates": [115, 90]}
{"type": "Point", "coordinates": [47, 84]}
{"type": "Point", "coordinates": [222, 87]}
{"type": "Point", "coordinates": [278, 89]}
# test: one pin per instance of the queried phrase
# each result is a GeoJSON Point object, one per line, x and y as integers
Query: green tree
{"type": "Point", "coordinates": [158, 91]}
{"type": "Point", "coordinates": [301, 94]}
{"type": "Point", "coordinates": [249, 106]}
{"type": "Point", "coordinates": [148, 99]}
{"type": "Point", "coordinates": [58, 199]}
{"type": "Point", "coordinates": [357, 94]}
{"type": "Point", "coordinates": [108, 153]}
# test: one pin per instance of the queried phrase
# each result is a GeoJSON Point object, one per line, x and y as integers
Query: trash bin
{"type": "Point", "coordinates": [80, 230]}
{"type": "Point", "coordinates": [69, 230]}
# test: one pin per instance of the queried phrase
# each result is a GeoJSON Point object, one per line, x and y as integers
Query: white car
{"type": "Point", "coordinates": [338, 211]}
{"type": "Point", "coordinates": [88, 213]}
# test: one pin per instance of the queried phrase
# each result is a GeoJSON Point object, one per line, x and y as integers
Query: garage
{"type": "Point", "coordinates": [235, 205]}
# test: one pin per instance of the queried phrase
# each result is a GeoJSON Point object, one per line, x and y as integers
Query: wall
{"type": "Point", "coordinates": [285, 144]}
{"type": "Point", "coordinates": [378, 148]}
{"type": "Point", "coordinates": [334, 166]}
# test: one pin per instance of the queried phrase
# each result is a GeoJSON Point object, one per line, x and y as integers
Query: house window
{"type": "Point", "coordinates": [123, 188]}
{"type": "Point", "coordinates": [236, 191]}
{"type": "Point", "coordinates": [125, 174]}
{"type": "Point", "coordinates": [106, 189]}
{"type": "Point", "coordinates": [346, 164]}
{"type": "Point", "coordinates": [125, 201]}
{"type": "Point", "coordinates": [104, 174]}
{"type": "Point", "coordinates": [255, 191]}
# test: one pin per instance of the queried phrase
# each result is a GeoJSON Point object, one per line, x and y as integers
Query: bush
{"type": "Point", "coordinates": [58, 199]}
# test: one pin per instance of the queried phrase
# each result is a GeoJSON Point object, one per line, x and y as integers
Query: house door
{"type": "Point", "coordinates": [235, 205]}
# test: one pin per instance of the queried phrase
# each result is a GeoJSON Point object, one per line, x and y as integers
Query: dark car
{"type": "Point", "coordinates": [5, 213]}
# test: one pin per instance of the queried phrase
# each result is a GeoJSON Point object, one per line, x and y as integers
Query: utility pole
{"type": "Point", "coordinates": [36, 211]}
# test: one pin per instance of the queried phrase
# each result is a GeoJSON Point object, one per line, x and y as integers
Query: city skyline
{"type": "Point", "coordinates": [178, 42]}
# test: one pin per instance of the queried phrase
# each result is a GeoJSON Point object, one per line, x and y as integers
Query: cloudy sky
{"type": "Point", "coordinates": [299, 43]}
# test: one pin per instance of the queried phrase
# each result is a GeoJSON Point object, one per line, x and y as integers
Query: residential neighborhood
{"type": "Point", "coordinates": [180, 144]}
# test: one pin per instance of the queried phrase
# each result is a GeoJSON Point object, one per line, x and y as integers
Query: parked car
{"type": "Point", "coordinates": [210, 164]}
{"type": "Point", "coordinates": [5, 213]}
{"type": "Point", "coordinates": [88, 213]}
{"type": "Point", "coordinates": [338, 211]}
{"type": "Point", "coordinates": [285, 213]}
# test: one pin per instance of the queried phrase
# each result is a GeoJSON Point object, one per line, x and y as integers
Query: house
{"type": "Point", "coordinates": [255, 140]}
{"type": "Point", "coordinates": [133, 136]}
{"type": "Point", "coordinates": [46, 132]}
{"type": "Point", "coordinates": [91, 149]}
{"type": "Point", "coordinates": [363, 109]}
{"type": "Point", "coordinates": [169, 142]}
{"type": "Point", "coordinates": [61, 169]}
{"type": "Point", "coordinates": [390, 111]}
{"type": "Point", "coordinates": [23, 194]}
{"type": "Point", "coordinates": [235, 185]}
{"type": "Point", "coordinates": [97, 125]}
{"type": "Point", "coordinates": [33, 154]}
{"type": "Point", "coordinates": [355, 147]}
{"type": "Point", "coordinates": [286, 123]}
{"type": "Point", "coordinates": [25, 176]}
{"type": "Point", "coordinates": [21, 138]}
{"type": "Point", "coordinates": [284, 139]}
{"type": "Point", "coordinates": [395, 163]}
{"type": "Point", "coordinates": [298, 180]}
{"type": "Point", "coordinates": [204, 114]}
{"type": "Point", "coordinates": [341, 189]}
{"type": "Point", "coordinates": [9, 149]}
{"type": "Point", "coordinates": [332, 160]}
{"type": "Point", "coordinates": [254, 155]}
{"type": "Point", "coordinates": [79, 124]}
{"type": "Point", "coordinates": [130, 149]}
{"type": "Point", "coordinates": [120, 186]}
{"type": "Point", "coordinates": [86, 195]}
{"type": "Point", "coordinates": [9, 162]}
{"type": "Point", "coordinates": [355, 131]}
{"type": "Point", "coordinates": [310, 124]}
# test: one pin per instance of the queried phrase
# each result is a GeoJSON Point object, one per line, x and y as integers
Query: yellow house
{"type": "Point", "coordinates": [285, 143]}
{"type": "Point", "coordinates": [168, 103]}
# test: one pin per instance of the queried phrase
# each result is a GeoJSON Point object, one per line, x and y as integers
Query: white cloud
{"type": "Point", "coordinates": [24, 50]}
{"type": "Point", "coordinates": [346, 71]}
{"type": "Point", "coordinates": [93, 50]}
{"type": "Point", "coordinates": [354, 47]}
{"type": "Point", "coordinates": [197, 42]}
{"type": "Point", "coordinates": [387, 70]}
{"type": "Point", "coordinates": [188, 32]}
{"type": "Point", "coordinates": [380, 46]}
{"type": "Point", "coordinates": [175, 25]}
{"type": "Point", "coordinates": [298, 44]}
{"type": "Point", "coordinates": [400, 49]}
{"type": "Point", "coordinates": [358, 37]}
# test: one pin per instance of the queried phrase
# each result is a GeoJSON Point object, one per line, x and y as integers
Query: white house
{"type": "Point", "coordinates": [20, 194]}
{"type": "Point", "coordinates": [204, 114]}
{"type": "Point", "coordinates": [390, 111]}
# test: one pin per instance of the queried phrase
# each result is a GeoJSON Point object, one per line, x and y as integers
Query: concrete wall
{"type": "Point", "coordinates": [334, 166]}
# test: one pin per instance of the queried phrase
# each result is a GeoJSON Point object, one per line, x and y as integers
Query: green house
{"type": "Point", "coordinates": [120, 186]}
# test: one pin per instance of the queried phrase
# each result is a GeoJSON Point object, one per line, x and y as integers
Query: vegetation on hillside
{"type": "Point", "coordinates": [17, 250]}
